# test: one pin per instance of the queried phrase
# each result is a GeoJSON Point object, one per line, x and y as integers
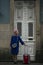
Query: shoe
{"type": "Point", "coordinates": [15, 62]}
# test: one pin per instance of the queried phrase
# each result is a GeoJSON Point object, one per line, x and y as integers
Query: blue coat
{"type": "Point", "coordinates": [15, 40]}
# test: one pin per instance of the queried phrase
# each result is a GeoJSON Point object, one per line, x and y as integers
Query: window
{"type": "Point", "coordinates": [4, 11]}
{"type": "Point", "coordinates": [30, 30]}
{"type": "Point", "coordinates": [19, 27]}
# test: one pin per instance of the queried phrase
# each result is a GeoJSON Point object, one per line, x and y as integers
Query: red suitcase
{"type": "Point", "coordinates": [26, 56]}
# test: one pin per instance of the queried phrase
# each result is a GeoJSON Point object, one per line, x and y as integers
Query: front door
{"type": "Point", "coordinates": [24, 20]}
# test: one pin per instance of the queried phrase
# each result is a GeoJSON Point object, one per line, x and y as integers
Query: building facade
{"type": "Point", "coordinates": [26, 16]}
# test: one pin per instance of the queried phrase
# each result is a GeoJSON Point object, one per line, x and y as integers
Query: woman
{"type": "Point", "coordinates": [15, 39]}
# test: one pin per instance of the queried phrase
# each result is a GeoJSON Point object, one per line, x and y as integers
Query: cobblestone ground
{"type": "Point", "coordinates": [19, 63]}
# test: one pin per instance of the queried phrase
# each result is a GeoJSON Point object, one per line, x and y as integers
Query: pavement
{"type": "Point", "coordinates": [19, 63]}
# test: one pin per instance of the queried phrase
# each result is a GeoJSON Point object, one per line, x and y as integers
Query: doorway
{"type": "Point", "coordinates": [24, 21]}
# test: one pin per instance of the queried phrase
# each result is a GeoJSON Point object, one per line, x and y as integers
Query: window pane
{"type": "Point", "coordinates": [19, 27]}
{"type": "Point", "coordinates": [30, 14]}
{"type": "Point", "coordinates": [4, 11]}
{"type": "Point", "coordinates": [30, 29]}
{"type": "Point", "coordinates": [19, 10]}
{"type": "Point", "coordinates": [19, 13]}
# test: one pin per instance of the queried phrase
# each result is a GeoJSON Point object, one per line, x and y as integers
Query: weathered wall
{"type": "Point", "coordinates": [41, 31]}
{"type": "Point", "coordinates": [7, 29]}
{"type": "Point", "coordinates": [41, 23]}
{"type": "Point", "coordinates": [41, 11]}
{"type": "Point", "coordinates": [37, 14]}
{"type": "Point", "coordinates": [11, 16]}
{"type": "Point", "coordinates": [4, 23]}
{"type": "Point", "coordinates": [4, 35]}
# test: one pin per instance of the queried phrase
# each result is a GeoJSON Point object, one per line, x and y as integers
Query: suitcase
{"type": "Point", "coordinates": [26, 56]}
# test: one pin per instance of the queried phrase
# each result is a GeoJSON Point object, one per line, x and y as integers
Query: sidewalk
{"type": "Point", "coordinates": [11, 63]}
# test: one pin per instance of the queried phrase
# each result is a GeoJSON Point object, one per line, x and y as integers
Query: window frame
{"type": "Point", "coordinates": [21, 27]}
{"type": "Point", "coordinates": [31, 37]}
